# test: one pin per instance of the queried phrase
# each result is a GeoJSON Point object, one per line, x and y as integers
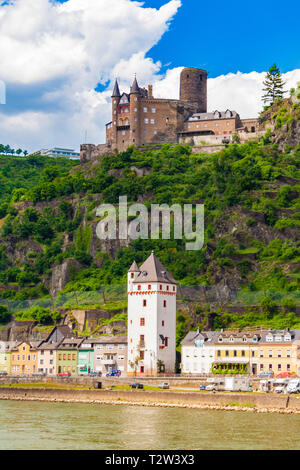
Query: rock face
{"type": "Point", "coordinates": [61, 274]}
{"type": "Point", "coordinates": [90, 152]}
{"type": "Point", "coordinates": [288, 135]}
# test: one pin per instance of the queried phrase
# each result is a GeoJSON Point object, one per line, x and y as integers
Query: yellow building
{"type": "Point", "coordinates": [237, 351]}
{"type": "Point", "coordinates": [24, 358]}
{"type": "Point", "coordinates": [5, 355]}
{"type": "Point", "coordinates": [278, 352]}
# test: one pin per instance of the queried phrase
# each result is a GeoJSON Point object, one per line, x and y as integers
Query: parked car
{"type": "Point", "coordinates": [38, 374]}
{"type": "Point", "coordinates": [279, 385]}
{"type": "Point", "coordinates": [202, 387]}
{"type": "Point", "coordinates": [2, 372]}
{"type": "Point", "coordinates": [136, 385]}
{"type": "Point", "coordinates": [64, 374]}
{"type": "Point", "coordinates": [93, 374]}
{"type": "Point", "coordinates": [114, 373]}
{"type": "Point", "coordinates": [164, 385]}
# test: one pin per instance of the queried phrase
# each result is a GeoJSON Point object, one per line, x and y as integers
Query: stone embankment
{"type": "Point", "coordinates": [253, 402]}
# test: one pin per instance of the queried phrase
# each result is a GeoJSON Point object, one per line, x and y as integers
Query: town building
{"type": "Point", "coordinates": [67, 355]}
{"type": "Point", "coordinates": [24, 358]}
{"type": "Point", "coordinates": [85, 363]}
{"type": "Point", "coordinates": [110, 353]}
{"type": "Point", "coordinates": [5, 355]}
{"type": "Point", "coordinates": [279, 352]}
{"type": "Point", "coordinates": [57, 152]}
{"type": "Point", "coordinates": [47, 357]}
{"type": "Point", "coordinates": [151, 329]}
{"type": "Point", "coordinates": [237, 351]}
{"type": "Point", "coordinates": [198, 352]}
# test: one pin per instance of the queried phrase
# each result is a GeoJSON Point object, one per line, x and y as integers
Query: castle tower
{"type": "Point", "coordinates": [135, 114]}
{"type": "Point", "coordinates": [193, 88]}
{"type": "Point", "coordinates": [115, 102]}
{"type": "Point", "coordinates": [151, 319]}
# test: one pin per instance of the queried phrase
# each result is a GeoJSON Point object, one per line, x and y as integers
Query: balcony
{"type": "Point", "coordinates": [108, 362]}
{"type": "Point", "coordinates": [123, 128]}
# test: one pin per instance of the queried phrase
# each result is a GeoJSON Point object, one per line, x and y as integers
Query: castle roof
{"type": "Point", "coordinates": [152, 270]}
{"type": "Point", "coordinates": [116, 91]}
{"type": "Point", "coordinates": [134, 268]}
{"type": "Point", "coordinates": [134, 87]}
{"type": "Point", "coordinates": [212, 116]}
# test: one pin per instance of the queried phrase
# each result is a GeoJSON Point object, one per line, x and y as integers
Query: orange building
{"type": "Point", "coordinates": [24, 358]}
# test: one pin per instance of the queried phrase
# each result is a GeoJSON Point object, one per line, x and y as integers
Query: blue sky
{"type": "Point", "coordinates": [230, 36]}
{"type": "Point", "coordinates": [59, 64]}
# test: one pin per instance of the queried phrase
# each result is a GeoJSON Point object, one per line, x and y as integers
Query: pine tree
{"type": "Point", "coordinates": [273, 86]}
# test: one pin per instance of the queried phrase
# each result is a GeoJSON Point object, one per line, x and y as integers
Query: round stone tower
{"type": "Point", "coordinates": [193, 88]}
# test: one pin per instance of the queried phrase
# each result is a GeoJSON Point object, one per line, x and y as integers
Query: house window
{"type": "Point", "coordinates": [288, 367]}
{"type": "Point", "coordinates": [288, 353]}
{"type": "Point", "coordinates": [28, 357]}
{"type": "Point", "coordinates": [279, 353]}
{"type": "Point", "coordinates": [144, 303]}
{"type": "Point", "coordinates": [59, 357]}
{"type": "Point", "coordinates": [279, 367]}
{"type": "Point", "coordinates": [261, 366]}
{"type": "Point", "coordinates": [243, 353]}
{"type": "Point", "coordinates": [142, 369]}
{"type": "Point", "coordinates": [226, 353]}
{"type": "Point", "coordinates": [173, 288]}
{"type": "Point", "coordinates": [234, 353]}
{"type": "Point", "coordinates": [142, 321]}
{"type": "Point", "coordinates": [64, 356]}
{"type": "Point", "coordinates": [270, 353]}
{"type": "Point", "coordinates": [142, 355]}
{"type": "Point", "coordinates": [270, 366]}
{"type": "Point", "coordinates": [219, 353]}
{"type": "Point", "coordinates": [261, 353]}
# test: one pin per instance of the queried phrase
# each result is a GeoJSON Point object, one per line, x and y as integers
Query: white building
{"type": "Point", "coordinates": [151, 328]}
{"type": "Point", "coordinates": [198, 352]}
{"type": "Point", "coordinates": [57, 152]}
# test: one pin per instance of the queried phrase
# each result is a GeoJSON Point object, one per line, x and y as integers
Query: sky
{"type": "Point", "coordinates": [59, 59]}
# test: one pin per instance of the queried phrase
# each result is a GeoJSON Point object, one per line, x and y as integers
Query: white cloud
{"type": "Point", "coordinates": [65, 50]}
{"type": "Point", "coordinates": [58, 54]}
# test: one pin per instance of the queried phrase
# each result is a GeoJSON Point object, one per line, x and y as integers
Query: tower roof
{"type": "Point", "coordinates": [134, 87]}
{"type": "Point", "coordinates": [116, 91]}
{"type": "Point", "coordinates": [152, 270]}
{"type": "Point", "coordinates": [134, 268]}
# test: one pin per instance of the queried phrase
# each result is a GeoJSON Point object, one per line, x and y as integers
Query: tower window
{"type": "Point", "coordinates": [142, 321]}
{"type": "Point", "coordinates": [149, 286]}
{"type": "Point", "coordinates": [132, 275]}
{"type": "Point", "coordinates": [144, 303]}
{"type": "Point", "coordinates": [163, 323]}
{"type": "Point", "coordinates": [139, 287]}
{"type": "Point", "coordinates": [165, 303]}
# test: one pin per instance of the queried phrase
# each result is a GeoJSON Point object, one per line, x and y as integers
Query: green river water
{"type": "Point", "coordinates": [70, 426]}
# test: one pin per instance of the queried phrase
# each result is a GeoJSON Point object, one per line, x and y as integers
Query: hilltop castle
{"type": "Point", "coordinates": [140, 119]}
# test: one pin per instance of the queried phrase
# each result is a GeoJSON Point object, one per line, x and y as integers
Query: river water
{"type": "Point", "coordinates": [70, 426]}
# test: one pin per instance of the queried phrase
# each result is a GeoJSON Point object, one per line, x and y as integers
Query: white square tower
{"type": "Point", "coordinates": [151, 326]}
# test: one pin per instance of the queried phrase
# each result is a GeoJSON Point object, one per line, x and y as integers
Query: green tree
{"type": "Point", "coordinates": [273, 86]}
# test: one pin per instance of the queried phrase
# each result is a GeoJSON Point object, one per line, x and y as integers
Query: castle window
{"type": "Point", "coordinates": [165, 303]}
{"type": "Point", "coordinates": [145, 132]}
{"type": "Point", "coordinates": [146, 121]}
{"type": "Point", "coordinates": [153, 110]}
{"type": "Point", "coordinates": [144, 303]}
{"type": "Point", "coordinates": [123, 133]}
{"type": "Point", "coordinates": [155, 132]}
{"type": "Point", "coordinates": [145, 110]}
{"type": "Point", "coordinates": [135, 110]}
{"type": "Point", "coordinates": [135, 98]}
{"type": "Point", "coordinates": [252, 129]}
{"type": "Point", "coordinates": [200, 78]}
{"type": "Point", "coordinates": [227, 123]}
{"type": "Point", "coordinates": [142, 321]}
{"type": "Point", "coordinates": [167, 287]}
{"type": "Point", "coordinates": [152, 121]}
{"type": "Point", "coordinates": [167, 120]}
{"type": "Point", "coordinates": [115, 112]}
{"type": "Point", "coordinates": [135, 119]}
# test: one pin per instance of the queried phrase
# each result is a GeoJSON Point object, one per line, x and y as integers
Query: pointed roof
{"type": "Point", "coordinates": [134, 268]}
{"type": "Point", "coordinates": [152, 270]}
{"type": "Point", "coordinates": [116, 91]}
{"type": "Point", "coordinates": [134, 87]}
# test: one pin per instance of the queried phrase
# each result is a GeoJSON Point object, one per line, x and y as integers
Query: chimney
{"type": "Point", "coordinates": [150, 91]}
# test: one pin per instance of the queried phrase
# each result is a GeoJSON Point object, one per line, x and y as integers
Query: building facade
{"type": "Point", "coordinates": [24, 358]}
{"type": "Point", "coordinates": [151, 329]}
{"type": "Point", "coordinates": [278, 352]}
{"type": "Point", "coordinates": [198, 352]}
{"type": "Point", "coordinates": [110, 353]}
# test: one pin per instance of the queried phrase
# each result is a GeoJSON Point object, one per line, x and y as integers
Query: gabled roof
{"type": "Point", "coordinates": [124, 99]}
{"type": "Point", "coordinates": [152, 270]}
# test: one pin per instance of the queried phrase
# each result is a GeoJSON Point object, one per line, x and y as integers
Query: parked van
{"type": "Point", "coordinates": [266, 385]}
{"type": "Point", "coordinates": [215, 383]}
{"type": "Point", "coordinates": [280, 385]}
{"type": "Point", "coordinates": [293, 386]}
{"type": "Point", "coordinates": [237, 384]}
